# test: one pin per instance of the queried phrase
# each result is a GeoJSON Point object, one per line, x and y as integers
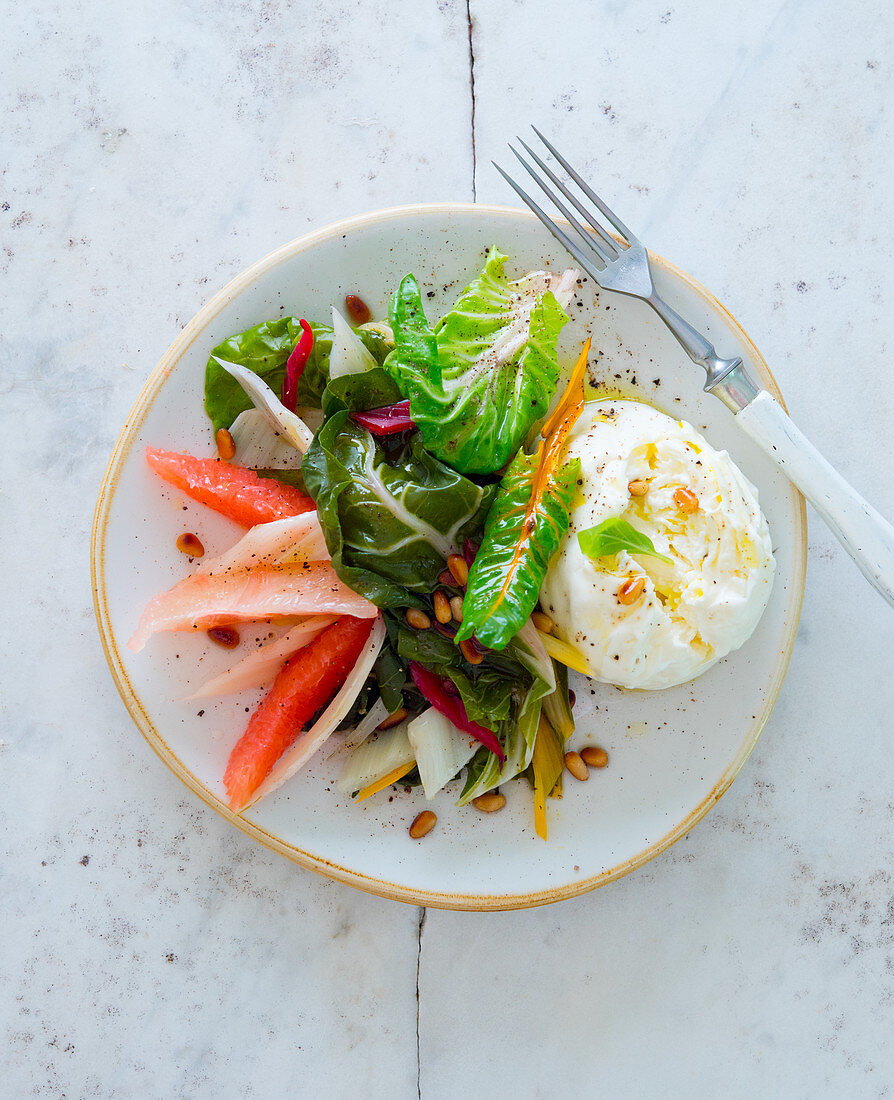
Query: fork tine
{"type": "Point", "coordinates": [558, 233]}
{"type": "Point", "coordinates": [588, 191]}
{"type": "Point", "coordinates": [607, 241]}
{"type": "Point", "coordinates": [600, 250]}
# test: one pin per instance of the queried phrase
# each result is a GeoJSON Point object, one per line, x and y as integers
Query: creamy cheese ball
{"type": "Point", "coordinates": [691, 613]}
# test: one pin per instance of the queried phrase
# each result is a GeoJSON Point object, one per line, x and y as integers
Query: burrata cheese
{"type": "Point", "coordinates": [691, 613]}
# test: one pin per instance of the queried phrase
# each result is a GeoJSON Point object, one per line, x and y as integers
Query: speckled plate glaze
{"type": "Point", "coordinates": [673, 753]}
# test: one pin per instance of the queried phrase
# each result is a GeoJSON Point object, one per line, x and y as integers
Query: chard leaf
{"type": "Point", "coordinates": [524, 527]}
{"type": "Point", "coordinates": [557, 706]}
{"type": "Point", "coordinates": [614, 535]}
{"type": "Point", "coordinates": [264, 349]}
{"type": "Point", "coordinates": [487, 690]}
{"type": "Point", "coordinates": [488, 371]}
{"type": "Point", "coordinates": [548, 762]}
{"type": "Point", "coordinates": [389, 525]}
{"type": "Point", "coordinates": [359, 392]}
{"type": "Point", "coordinates": [518, 737]}
{"type": "Point", "coordinates": [391, 676]}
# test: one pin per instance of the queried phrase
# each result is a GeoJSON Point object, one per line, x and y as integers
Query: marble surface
{"type": "Point", "coordinates": [150, 950]}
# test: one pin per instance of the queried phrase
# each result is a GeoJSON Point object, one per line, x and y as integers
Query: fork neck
{"type": "Point", "coordinates": [726, 378]}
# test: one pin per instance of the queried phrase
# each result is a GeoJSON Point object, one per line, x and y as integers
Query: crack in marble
{"type": "Point", "coordinates": [422, 915]}
{"type": "Point", "coordinates": [473, 103]}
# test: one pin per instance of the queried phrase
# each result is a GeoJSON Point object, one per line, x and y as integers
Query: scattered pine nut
{"type": "Point", "coordinates": [470, 653]}
{"type": "Point", "coordinates": [631, 590]}
{"type": "Point", "coordinates": [458, 566]}
{"type": "Point", "coordinates": [446, 577]}
{"type": "Point", "coordinates": [543, 622]}
{"type": "Point", "coordinates": [417, 619]}
{"type": "Point", "coordinates": [226, 445]}
{"type": "Point", "coordinates": [489, 803]}
{"type": "Point", "coordinates": [637, 487]}
{"type": "Point", "coordinates": [225, 636]}
{"type": "Point", "coordinates": [576, 766]}
{"type": "Point", "coordinates": [423, 824]}
{"type": "Point", "coordinates": [686, 500]}
{"type": "Point", "coordinates": [190, 544]}
{"type": "Point", "coordinates": [594, 757]}
{"type": "Point", "coordinates": [442, 606]}
{"type": "Point", "coordinates": [456, 608]}
{"type": "Point", "coordinates": [357, 309]}
{"type": "Point", "coordinates": [393, 719]}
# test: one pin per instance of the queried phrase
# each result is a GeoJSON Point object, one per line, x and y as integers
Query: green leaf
{"type": "Point", "coordinates": [614, 535]}
{"type": "Point", "coordinates": [359, 392]}
{"type": "Point", "coordinates": [547, 765]}
{"type": "Point", "coordinates": [287, 477]}
{"type": "Point", "coordinates": [523, 530]}
{"type": "Point", "coordinates": [391, 675]}
{"type": "Point", "coordinates": [557, 706]}
{"type": "Point", "coordinates": [389, 525]}
{"type": "Point", "coordinates": [518, 737]}
{"type": "Point", "coordinates": [486, 373]}
{"type": "Point", "coordinates": [264, 349]}
{"type": "Point", "coordinates": [487, 690]}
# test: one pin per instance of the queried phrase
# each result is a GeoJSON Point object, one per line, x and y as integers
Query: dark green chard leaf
{"type": "Point", "coordinates": [391, 675]}
{"type": "Point", "coordinates": [614, 535]}
{"type": "Point", "coordinates": [523, 530]}
{"type": "Point", "coordinates": [264, 349]}
{"type": "Point", "coordinates": [359, 392]}
{"type": "Point", "coordinates": [288, 477]}
{"type": "Point", "coordinates": [487, 690]}
{"type": "Point", "coordinates": [486, 373]}
{"type": "Point", "coordinates": [388, 527]}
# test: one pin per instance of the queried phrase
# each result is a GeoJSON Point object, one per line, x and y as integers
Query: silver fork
{"type": "Point", "coordinates": [620, 262]}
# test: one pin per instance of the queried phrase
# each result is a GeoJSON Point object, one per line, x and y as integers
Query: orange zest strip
{"type": "Point", "coordinates": [554, 432]}
{"type": "Point", "coordinates": [385, 781]}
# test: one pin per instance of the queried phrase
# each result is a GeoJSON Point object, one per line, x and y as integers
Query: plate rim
{"type": "Point", "coordinates": [136, 710]}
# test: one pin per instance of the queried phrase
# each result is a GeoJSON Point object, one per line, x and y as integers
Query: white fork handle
{"type": "Point", "coordinates": [862, 531]}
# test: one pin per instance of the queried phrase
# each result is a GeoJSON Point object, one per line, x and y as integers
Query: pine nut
{"type": "Point", "coordinates": [226, 445]}
{"type": "Point", "coordinates": [417, 619]}
{"type": "Point", "coordinates": [637, 487]}
{"type": "Point", "coordinates": [357, 309]}
{"type": "Point", "coordinates": [393, 719]}
{"type": "Point", "coordinates": [543, 622]}
{"type": "Point", "coordinates": [446, 577]}
{"type": "Point", "coordinates": [225, 636]}
{"type": "Point", "coordinates": [594, 757]}
{"type": "Point", "coordinates": [686, 500]}
{"type": "Point", "coordinates": [456, 608]}
{"type": "Point", "coordinates": [190, 544]}
{"type": "Point", "coordinates": [458, 566]}
{"type": "Point", "coordinates": [423, 824]}
{"type": "Point", "coordinates": [442, 607]}
{"type": "Point", "coordinates": [489, 803]}
{"type": "Point", "coordinates": [470, 653]}
{"type": "Point", "coordinates": [631, 590]}
{"type": "Point", "coordinates": [576, 766]}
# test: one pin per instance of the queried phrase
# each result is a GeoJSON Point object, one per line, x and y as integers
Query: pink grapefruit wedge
{"type": "Point", "coordinates": [306, 682]}
{"type": "Point", "coordinates": [234, 491]}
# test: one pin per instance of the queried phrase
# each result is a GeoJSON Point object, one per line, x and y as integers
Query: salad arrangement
{"type": "Point", "coordinates": [403, 488]}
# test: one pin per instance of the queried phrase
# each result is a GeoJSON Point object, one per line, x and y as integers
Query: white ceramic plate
{"type": "Point", "coordinates": [673, 753]}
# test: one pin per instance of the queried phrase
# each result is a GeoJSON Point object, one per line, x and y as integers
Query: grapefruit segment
{"type": "Point", "coordinates": [234, 491]}
{"type": "Point", "coordinates": [241, 595]}
{"type": "Point", "coordinates": [305, 683]}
